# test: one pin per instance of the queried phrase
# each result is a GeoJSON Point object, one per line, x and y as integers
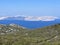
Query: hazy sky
{"type": "Point", "coordinates": [30, 7]}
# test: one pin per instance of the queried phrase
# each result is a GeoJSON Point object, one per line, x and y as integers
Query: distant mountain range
{"type": "Point", "coordinates": [30, 21]}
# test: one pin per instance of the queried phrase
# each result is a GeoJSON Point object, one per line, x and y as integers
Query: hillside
{"type": "Point", "coordinates": [49, 35]}
{"type": "Point", "coordinates": [17, 35]}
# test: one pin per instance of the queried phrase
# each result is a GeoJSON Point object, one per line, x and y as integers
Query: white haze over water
{"type": "Point", "coordinates": [31, 18]}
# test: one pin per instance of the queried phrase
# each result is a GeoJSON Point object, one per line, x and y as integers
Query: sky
{"type": "Point", "coordinates": [30, 7]}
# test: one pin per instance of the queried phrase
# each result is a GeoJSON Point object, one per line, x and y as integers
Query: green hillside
{"type": "Point", "coordinates": [17, 35]}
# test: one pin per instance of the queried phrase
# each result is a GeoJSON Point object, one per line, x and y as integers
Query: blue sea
{"type": "Point", "coordinates": [30, 24]}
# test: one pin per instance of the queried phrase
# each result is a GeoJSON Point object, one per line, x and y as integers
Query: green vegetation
{"type": "Point", "coordinates": [17, 35]}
